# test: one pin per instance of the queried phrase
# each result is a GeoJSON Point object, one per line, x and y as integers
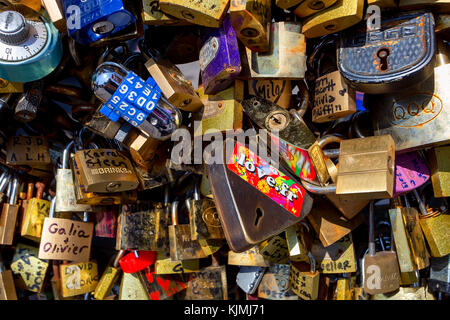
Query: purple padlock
{"type": "Point", "coordinates": [410, 172]}
{"type": "Point", "coordinates": [219, 58]}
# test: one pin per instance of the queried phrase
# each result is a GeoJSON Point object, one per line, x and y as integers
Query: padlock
{"type": "Point", "coordinates": [181, 245]}
{"type": "Point", "coordinates": [37, 210]}
{"type": "Point", "coordinates": [333, 98]}
{"type": "Point", "coordinates": [287, 48]}
{"type": "Point", "coordinates": [248, 278]}
{"type": "Point", "coordinates": [64, 239]}
{"type": "Point", "coordinates": [412, 117]}
{"type": "Point", "coordinates": [55, 12]}
{"type": "Point", "coordinates": [105, 170]}
{"type": "Point", "coordinates": [288, 125]}
{"type": "Point", "coordinates": [106, 222]}
{"type": "Point", "coordinates": [173, 84]}
{"type": "Point", "coordinates": [341, 15]}
{"type": "Point", "coordinates": [143, 149]}
{"type": "Point", "coordinates": [208, 14]}
{"type": "Point", "coordinates": [439, 280]}
{"type": "Point", "coordinates": [309, 7]}
{"type": "Point", "coordinates": [10, 87]}
{"type": "Point", "coordinates": [152, 15]}
{"type": "Point", "coordinates": [7, 286]}
{"type": "Point", "coordinates": [370, 61]}
{"type": "Point", "coordinates": [9, 215]}
{"type": "Point", "coordinates": [203, 218]}
{"type": "Point", "coordinates": [142, 226]}
{"type": "Point", "coordinates": [343, 287]}
{"type": "Point", "coordinates": [405, 293]}
{"type": "Point", "coordinates": [161, 286]}
{"type": "Point", "coordinates": [221, 112]}
{"type": "Point", "coordinates": [78, 278]}
{"type": "Point", "coordinates": [32, 4]}
{"type": "Point", "coordinates": [65, 192]}
{"type": "Point", "coordinates": [435, 5]}
{"type": "Point", "coordinates": [126, 95]}
{"type": "Point", "coordinates": [274, 249]}
{"type": "Point", "coordinates": [30, 268]}
{"type": "Point", "coordinates": [165, 265]}
{"type": "Point", "coordinates": [33, 50]}
{"type": "Point", "coordinates": [329, 224]}
{"type": "Point", "coordinates": [296, 239]}
{"type": "Point", "coordinates": [275, 283]}
{"type": "Point", "coordinates": [318, 158]}
{"type": "Point", "coordinates": [251, 21]}
{"type": "Point", "coordinates": [304, 279]}
{"type": "Point", "coordinates": [277, 91]}
{"type": "Point", "coordinates": [208, 284]}
{"type": "Point", "coordinates": [381, 270]}
{"type": "Point", "coordinates": [27, 106]}
{"type": "Point", "coordinates": [90, 22]}
{"type": "Point", "coordinates": [250, 257]}
{"type": "Point", "coordinates": [132, 288]}
{"type": "Point", "coordinates": [103, 126]}
{"type": "Point", "coordinates": [433, 221]}
{"type": "Point", "coordinates": [108, 278]}
{"type": "Point", "coordinates": [440, 170]}
{"type": "Point", "coordinates": [366, 167]}
{"type": "Point", "coordinates": [31, 151]}
{"type": "Point", "coordinates": [409, 241]}
{"type": "Point", "coordinates": [274, 195]}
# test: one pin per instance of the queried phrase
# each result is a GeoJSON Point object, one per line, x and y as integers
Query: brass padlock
{"type": "Point", "coordinates": [440, 170]}
{"type": "Point", "coordinates": [28, 151]}
{"type": "Point", "coordinates": [287, 48]}
{"type": "Point", "coordinates": [275, 283]}
{"type": "Point", "coordinates": [251, 21]}
{"type": "Point", "coordinates": [175, 87]}
{"type": "Point", "coordinates": [108, 278]}
{"type": "Point", "coordinates": [222, 111]}
{"type": "Point", "coordinates": [276, 90]}
{"type": "Point", "coordinates": [103, 126]}
{"type": "Point", "coordinates": [341, 15]}
{"type": "Point", "coordinates": [309, 7]}
{"type": "Point", "coordinates": [37, 210]}
{"type": "Point", "coordinates": [78, 278]}
{"type": "Point", "coordinates": [205, 13]}
{"type": "Point", "coordinates": [181, 245]}
{"type": "Point", "coordinates": [250, 257]}
{"type": "Point", "coordinates": [165, 265]}
{"type": "Point", "coordinates": [304, 279]}
{"type": "Point", "coordinates": [366, 168]}
{"type": "Point", "coordinates": [7, 287]}
{"type": "Point", "coordinates": [152, 15]}
{"type": "Point", "coordinates": [274, 250]}
{"type": "Point", "coordinates": [296, 239]}
{"type": "Point", "coordinates": [8, 216]}
{"type": "Point", "coordinates": [143, 149]}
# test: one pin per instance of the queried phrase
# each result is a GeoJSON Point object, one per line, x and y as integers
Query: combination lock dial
{"type": "Point", "coordinates": [30, 46]}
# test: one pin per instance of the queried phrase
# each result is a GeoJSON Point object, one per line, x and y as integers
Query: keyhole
{"type": "Point", "coordinates": [383, 54]}
{"type": "Point", "coordinates": [259, 215]}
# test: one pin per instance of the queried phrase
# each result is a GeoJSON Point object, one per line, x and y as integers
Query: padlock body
{"type": "Point", "coordinates": [440, 171]}
{"type": "Point", "coordinates": [181, 245]}
{"type": "Point", "coordinates": [204, 220]}
{"type": "Point", "coordinates": [277, 91]}
{"type": "Point", "coordinates": [310, 7]}
{"type": "Point", "coordinates": [303, 282]}
{"type": "Point", "coordinates": [78, 278]}
{"type": "Point", "coordinates": [434, 228]}
{"type": "Point", "coordinates": [65, 193]}
{"type": "Point", "coordinates": [7, 286]}
{"type": "Point", "coordinates": [37, 210]}
{"type": "Point", "coordinates": [381, 273]}
{"type": "Point", "coordinates": [106, 282]}
{"type": "Point", "coordinates": [8, 223]}
{"type": "Point", "coordinates": [275, 284]}
{"type": "Point", "coordinates": [208, 284]}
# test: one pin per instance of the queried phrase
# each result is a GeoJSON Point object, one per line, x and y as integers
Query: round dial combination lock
{"type": "Point", "coordinates": [30, 46]}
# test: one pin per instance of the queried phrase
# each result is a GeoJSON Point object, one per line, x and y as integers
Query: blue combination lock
{"type": "Point", "coordinates": [91, 20]}
{"type": "Point", "coordinates": [125, 95]}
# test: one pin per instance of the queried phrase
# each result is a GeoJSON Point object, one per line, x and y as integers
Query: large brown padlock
{"type": "Point", "coordinates": [36, 211]}
{"type": "Point", "coordinates": [8, 216]}
{"type": "Point", "coordinates": [381, 270]}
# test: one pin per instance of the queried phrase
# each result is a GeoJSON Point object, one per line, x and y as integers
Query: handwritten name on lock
{"type": "Point", "coordinates": [23, 150]}
{"type": "Point", "coordinates": [64, 239]}
{"type": "Point", "coordinates": [104, 161]}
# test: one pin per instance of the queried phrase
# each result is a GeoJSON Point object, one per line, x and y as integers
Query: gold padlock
{"type": "Point", "coordinates": [251, 258]}
{"type": "Point", "coordinates": [7, 286]}
{"type": "Point", "coordinates": [275, 283]}
{"type": "Point", "coordinates": [208, 13]}
{"type": "Point", "coordinates": [440, 170]}
{"type": "Point", "coordinates": [78, 278]}
{"type": "Point", "coordinates": [309, 7]}
{"type": "Point", "coordinates": [342, 15]}
{"type": "Point", "coordinates": [152, 15]}
{"type": "Point", "coordinates": [275, 90]}
{"type": "Point", "coordinates": [108, 278]}
{"type": "Point", "coordinates": [304, 279]}
{"type": "Point", "coordinates": [30, 151]}
{"type": "Point", "coordinates": [103, 126]}
{"type": "Point", "coordinates": [165, 265]}
{"type": "Point", "coordinates": [37, 210]}
{"type": "Point", "coordinates": [274, 250]}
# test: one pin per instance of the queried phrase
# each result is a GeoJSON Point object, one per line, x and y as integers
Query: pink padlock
{"type": "Point", "coordinates": [410, 172]}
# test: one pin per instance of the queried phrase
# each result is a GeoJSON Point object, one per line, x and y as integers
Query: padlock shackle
{"type": "Point", "coordinates": [316, 189]}
{"type": "Point", "coordinates": [117, 258]}
{"type": "Point", "coordinates": [372, 228]}
{"type": "Point", "coordinates": [312, 262]}
{"type": "Point", "coordinates": [166, 194]}
{"type": "Point", "coordinates": [66, 155]}
{"type": "Point", "coordinates": [326, 41]}
{"type": "Point", "coordinates": [422, 208]}
{"type": "Point", "coordinates": [323, 141]}
{"type": "Point", "coordinates": [174, 213]}
{"type": "Point", "coordinates": [14, 191]}
{"type": "Point", "coordinates": [4, 182]}
{"type": "Point", "coordinates": [52, 208]}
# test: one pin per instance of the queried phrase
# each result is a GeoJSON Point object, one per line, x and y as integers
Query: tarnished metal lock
{"type": "Point", "coordinates": [132, 288]}
{"type": "Point", "coordinates": [103, 126]}
{"type": "Point", "coordinates": [273, 193]}
{"type": "Point", "coordinates": [90, 22]}
{"type": "Point", "coordinates": [374, 61]}
{"type": "Point", "coordinates": [143, 149]}
{"type": "Point", "coordinates": [414, 116]}
{"type": "Point", "coordinates": [343, 287]}
{"type": "Point", "coordinates": [336, 258]}
{"type": "Point", "coordinates": [65, 192]}
{"type": "Point", "coordinates": [55, 12]}
{"type": "Point", "coordinates": [435, 5]}
{"type": "Point", "coordinates": [277, 91]}
{"type": "Point", "coordinates": [319, 159]}
{"type": "Point", "coordinates": [126, 95]}
{"type": "Point", "coordinates": [8, 216]}
{"type": "Point", "coordinates": [366, 167]}
{"type": "Point", "coordinates": [108, 278]}
{"type": "Point", "coordinates": [333, 98]}
{"type": "Point", "coordinates": [287, 48]}
{"type": "Point", "coordinates": [152, 15]}
{"type": "Point", "coordinates": [27, 106]}
{"type": "Point", "coordinates": [439, 280]}
{"type": "Point", "coordinates": [274, 250]}
{"type": "Point", "coordinates": [106, 170]}
{"type": "Point", "coordinates": [31, 151]}
{"type": "Point", "coordinates": [161, 286]}
{"type": "Point", "coordinates": [36, 211]}
{"type": "Point", "coordinates": [165, 265]}
{"type": "Point", "coordinates": [143, 226]}
{"type": "Point", "coordinates": [248, 278]}
{"type": "Point", "coordinates": [181, 245]}
{"type": "Point", "coordinates": [433, 222]}
{"type": "Point", "coordinates": [7, 286]}
{"type": "Point", "coordinates": [275, 283]}
{"type": "Point", "coordinates": [304, 279]}
{"type": "Point", "coordinates": [440, 170]}
{"type": "Point", "coordinates": [381, 270]}
{"type": "Point", "coordinates": [173, 84]}
{"type": "Point", "coordinates": [65, 239]}
{"type": "Point", "coordinates": [205, 13]}
{"type": "Point", "coordinates": [250, 257]}
{"type": "Point", "coordinates": [222, 111]}
{"type": "Point", "coordinates": [310, 7]}
{"type": "Point", "coordinates": [31, 269]}
{"type": "Point", "coordinates": [409, 241]}
{"type": "Point", "coordinates": [219, 58]}
{"type": "Point", "coordinates": [341, 15]}
{"type": "Point", "coordinates": [203, 218]}
{"type": "Point", "coordinates": [78, 278]}
{"type": "Point", "coordinates": [251, 21]}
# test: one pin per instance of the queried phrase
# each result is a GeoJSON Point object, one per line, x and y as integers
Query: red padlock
{"type": "Point", "coordinates": [137, 261]}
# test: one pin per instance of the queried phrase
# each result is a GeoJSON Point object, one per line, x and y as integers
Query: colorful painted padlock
{"type": "Point", "coordinates": [410, 172]}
